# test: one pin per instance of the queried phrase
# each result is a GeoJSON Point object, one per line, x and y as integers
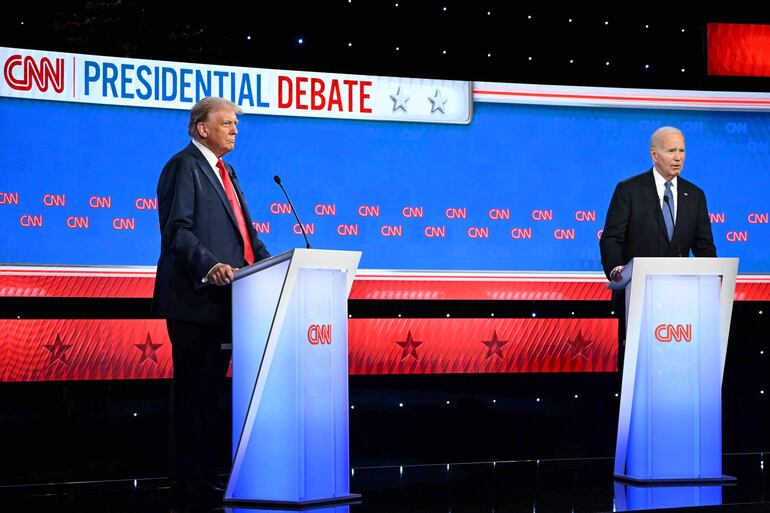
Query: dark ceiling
{"type": "Point", "coordinates": [639, 46]}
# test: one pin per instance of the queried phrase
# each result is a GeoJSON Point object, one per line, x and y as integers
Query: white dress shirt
{"type": "Point", "coordinates": [660, 186]}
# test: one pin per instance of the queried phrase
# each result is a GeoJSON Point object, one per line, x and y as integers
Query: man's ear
{"type": "Point", "coordinates": [202, 131]}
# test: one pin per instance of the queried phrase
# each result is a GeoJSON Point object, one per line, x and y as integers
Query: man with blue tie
{"type": "Point", "coordinates": [206, 234]}
{"type": "Point", "coordinates": [655, 214]}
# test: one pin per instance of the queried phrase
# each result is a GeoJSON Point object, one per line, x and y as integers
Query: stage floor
{"type": "Point", "coordinates": [564, 485]}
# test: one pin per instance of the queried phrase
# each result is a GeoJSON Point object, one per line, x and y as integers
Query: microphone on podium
{"type": "Point", "coordinates": [294, 210]}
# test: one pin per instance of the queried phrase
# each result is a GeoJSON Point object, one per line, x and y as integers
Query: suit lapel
{"type": "Point", "coordinates": [651, 193]}
{"type": "Point", "coordinates": [205, 168]}
{"type": "Point", "coordinates": [684, 204]}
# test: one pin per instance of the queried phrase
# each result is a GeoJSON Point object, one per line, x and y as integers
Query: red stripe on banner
{"type": "Point", "coordinates": [625, 98]}
{"type": "Point", "coordinates": [66, 349]}
{"type": "Point", "coordinates": [458, 346]}
{"type": "Point", "coordinates": [417, 289]}
{"type": "Point", "coordinates": [38, 282]}
{"type": "Point", "coordinates": [738, 49]}
{"type": "Point", "coordinates": [37, 285]}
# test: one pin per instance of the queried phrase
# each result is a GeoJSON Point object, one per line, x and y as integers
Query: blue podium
{"type": "Point", "coordinates": [290, 380]}
{"type": "Point", "coordinates": [678, 314]}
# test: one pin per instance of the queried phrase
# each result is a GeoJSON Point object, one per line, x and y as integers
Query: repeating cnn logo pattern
{"type": "Point", "coordinates": [319, 334]}
{"type": "Point", "coordinates": [669, 332]}
{"type": "Point", "coordinates": [20, 72]}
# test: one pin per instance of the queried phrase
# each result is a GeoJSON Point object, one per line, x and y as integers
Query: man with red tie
{"type": "Point", "coordinates": [206, 234]}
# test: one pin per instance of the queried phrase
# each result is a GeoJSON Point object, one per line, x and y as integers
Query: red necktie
{"type": "Point", "coordinates": [248, 252]}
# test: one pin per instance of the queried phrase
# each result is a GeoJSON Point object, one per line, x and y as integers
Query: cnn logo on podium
{"type": "Point", "coordinates": [678, 332]}
{"type": "Point", "coordinates": [319, 334]}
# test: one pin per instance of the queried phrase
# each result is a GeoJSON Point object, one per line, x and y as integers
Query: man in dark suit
{"type": "Point", "coordinates": [206, 234]}
{"type": "Point", "coordinates": [654, 214]}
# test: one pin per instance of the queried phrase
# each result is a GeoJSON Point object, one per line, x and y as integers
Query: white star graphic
{"type": "Point", "coordinates": [438, 101]}
{"type": "Point", "coordinates": [399, 100]}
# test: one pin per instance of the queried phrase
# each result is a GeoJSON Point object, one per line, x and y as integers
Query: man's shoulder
{"type": "Point", "coordinates": [688, 186]}
{"type": "Point", "coordinates": [636, 183]}
{"type": "Point", "coordinates": [188, 153]}
{"type": "Point", "coordinates": [640, 179]}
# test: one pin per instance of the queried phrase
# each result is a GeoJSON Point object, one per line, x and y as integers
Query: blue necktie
{"type": "Point", "coordinates": [669, 212]}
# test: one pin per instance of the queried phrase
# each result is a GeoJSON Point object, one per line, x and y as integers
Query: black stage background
{"type": "Point", "coordinates": [65, 431]}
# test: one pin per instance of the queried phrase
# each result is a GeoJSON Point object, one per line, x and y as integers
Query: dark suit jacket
{"type": "Point", "coordinates": [634, 226]}
{"type": "Point", "coordinates": [198, 230]}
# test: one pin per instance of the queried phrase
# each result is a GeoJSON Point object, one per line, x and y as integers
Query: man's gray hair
{"type": "Point", "coordinates": [661, 132]}
{"type": "Point", "coordinates": [201, 110]}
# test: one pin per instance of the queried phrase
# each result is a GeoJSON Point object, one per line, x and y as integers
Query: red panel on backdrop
{"type": "Point", "coordinates": [67, 349]}
{"type": "Point", "coordinates": [437, 346]}
{"type": "Point", "coordinates": [739, 49]}
{"type": "Point", "coordinates": [72, 349]}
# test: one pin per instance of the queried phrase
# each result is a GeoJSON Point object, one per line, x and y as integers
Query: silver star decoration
{"type": "Point", "coordinates": [399, 100]}
{"type": "Point", "coordinates": [438, 101]}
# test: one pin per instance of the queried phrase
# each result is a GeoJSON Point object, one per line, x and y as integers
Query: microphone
{"type": "Point", "coordinates": [673, 223]}
{"type": "Point", "coordinates": [294, 210]}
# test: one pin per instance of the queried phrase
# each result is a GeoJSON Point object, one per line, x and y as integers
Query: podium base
{"type": "Point", "coordinates": [679, 481]}
{"type": "Point", "coordinates": [295, 505]}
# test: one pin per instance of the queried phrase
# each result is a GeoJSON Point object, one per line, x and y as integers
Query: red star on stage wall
{"type": "Point", "coordinates": [580, 347]}
{"type": "Point", "coordinates": [409, 346]}
{"type": "Point", "coordinates": [148, 350]}
{"type": "Point", "coordinates": [58, 351]}
{"type": "Point", "coordinates": [495, 346]}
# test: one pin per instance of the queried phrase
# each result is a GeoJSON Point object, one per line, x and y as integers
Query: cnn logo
{"type": "Point", "coordinates": [319, 334]}
{"type": "Point", "coordinates": [20, 72]}
{"type": "Point", "coordinates": [669, 332]}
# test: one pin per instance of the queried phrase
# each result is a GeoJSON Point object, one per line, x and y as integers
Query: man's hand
{"type": "Point", "coordinates": [615, 274]}
{"type": "Point", "coordinates": [221, 274]}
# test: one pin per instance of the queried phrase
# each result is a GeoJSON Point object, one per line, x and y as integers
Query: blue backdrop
{"type": "Point", "coordinates": [556, 163]}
